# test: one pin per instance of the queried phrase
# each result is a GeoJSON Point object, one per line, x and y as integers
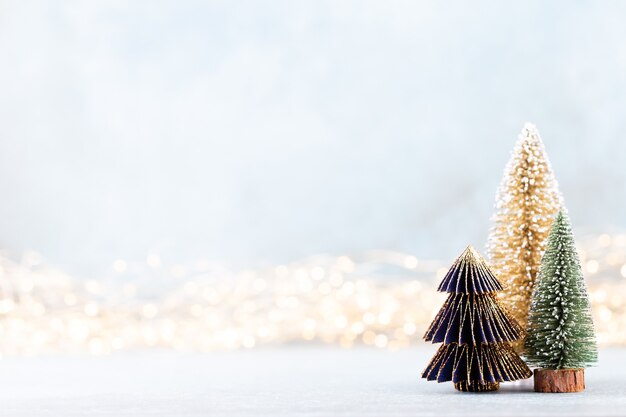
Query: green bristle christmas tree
{"type": "Point", "coordinates": [561, 338]}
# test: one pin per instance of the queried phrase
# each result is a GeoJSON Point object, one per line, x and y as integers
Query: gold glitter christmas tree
{"type": "Point", "coordinates": [527, 201]}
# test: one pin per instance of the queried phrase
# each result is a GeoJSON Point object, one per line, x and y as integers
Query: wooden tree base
{"type": "Point", "coordinates": [476, 387]}
{"type": "Point", "coordinates": [559, 380]}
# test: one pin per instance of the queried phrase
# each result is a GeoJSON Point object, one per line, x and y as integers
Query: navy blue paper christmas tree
{"type": "Point", "coordinates": [475, 329]}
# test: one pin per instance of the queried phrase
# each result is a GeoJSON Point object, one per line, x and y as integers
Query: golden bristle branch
{"type": "Point", "coordinates": [527, 200]}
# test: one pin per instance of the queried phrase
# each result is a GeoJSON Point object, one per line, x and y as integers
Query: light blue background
{"type": "Point", "coordinates": [255, 132]}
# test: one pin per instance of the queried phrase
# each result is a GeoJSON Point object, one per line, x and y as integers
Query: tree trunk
{"type": "Point", "coordinates": [559, 380]}
{"type": "Point", "coordinates": [471, 386]}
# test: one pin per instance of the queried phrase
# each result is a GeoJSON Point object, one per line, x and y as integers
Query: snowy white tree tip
{"type": "Point", "coordinates": [530, 130]}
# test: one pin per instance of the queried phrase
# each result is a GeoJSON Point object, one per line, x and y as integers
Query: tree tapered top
{"type": "Point", "coordinates": [560, 327]}
{"type": "Point", "coordinates": [469, 274]}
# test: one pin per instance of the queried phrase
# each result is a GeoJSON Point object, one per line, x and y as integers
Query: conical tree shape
{"type": "Point", "coordinates": [527, 201]}
{"type": "Point", "coordinates": [475, 330]}
{"type": "Point", "coordinates": [560, 327]}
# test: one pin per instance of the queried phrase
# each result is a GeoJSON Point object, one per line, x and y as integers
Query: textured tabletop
{"type": "Point", "coordinates": [312, 381]}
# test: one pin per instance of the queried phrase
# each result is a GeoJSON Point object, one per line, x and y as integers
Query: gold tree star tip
{"type": "Point", "coordinates": [470, 253]}
{"type": "Point", "coordinates": [470, 249]}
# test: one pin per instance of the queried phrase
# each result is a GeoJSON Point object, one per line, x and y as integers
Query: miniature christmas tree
{"type": "Point", "coordinates": [527, 201]}
{"type": "Point", "coordinates": [475, 330]}
{"type": "Point", "coordinates": [561, 337]}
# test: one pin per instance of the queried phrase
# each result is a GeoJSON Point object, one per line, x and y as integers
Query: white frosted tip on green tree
{"type": "Point", "coordinates": [560, 327]}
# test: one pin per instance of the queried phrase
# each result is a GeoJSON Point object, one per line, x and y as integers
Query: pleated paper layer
{"type": "Point", "coordinates": [485, 363]}
{"type": "Point", "coordinates": [473, 319]}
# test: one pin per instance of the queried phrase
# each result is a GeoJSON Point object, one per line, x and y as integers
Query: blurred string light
{"type": "Point", "coordinates": [383, 299]}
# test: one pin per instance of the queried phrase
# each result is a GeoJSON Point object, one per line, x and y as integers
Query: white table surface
{"type": "Point", "coordinates": [296, 380]}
